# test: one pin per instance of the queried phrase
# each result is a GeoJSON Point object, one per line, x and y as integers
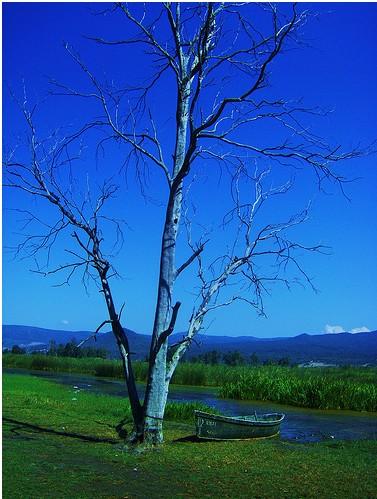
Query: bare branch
{"type": "Point", "coordinates": [95, 333]}
{"type": "Point", "coordinates": [191, 258]}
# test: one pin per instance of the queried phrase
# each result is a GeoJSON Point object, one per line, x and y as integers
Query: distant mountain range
{"type": "Point", "coordinates": [342, 348]}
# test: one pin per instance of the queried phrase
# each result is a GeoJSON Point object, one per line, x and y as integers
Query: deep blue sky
{"type": "Point", "coordinates": [337, 71]}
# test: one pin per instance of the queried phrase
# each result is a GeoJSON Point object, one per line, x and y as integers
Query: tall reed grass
{"type": "Point", "coordinates": [306, 387]}
{"type": "Point", "coordinates": [49, 363]}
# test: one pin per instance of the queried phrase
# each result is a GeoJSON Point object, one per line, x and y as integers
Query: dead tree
{"type": "Point", "coordinates": [219, 61]}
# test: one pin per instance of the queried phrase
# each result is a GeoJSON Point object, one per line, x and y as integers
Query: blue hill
{"type": "Point", "coordinates": [343, 348]}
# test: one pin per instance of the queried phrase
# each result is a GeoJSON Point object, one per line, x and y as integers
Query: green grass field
{"type": "Point", "coordinates": [330, 388]}
{"type": "Point", "coordinates": [61, 443]}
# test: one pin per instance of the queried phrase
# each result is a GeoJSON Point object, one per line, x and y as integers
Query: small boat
{"type": "Point", "coordinates": [210, 426]}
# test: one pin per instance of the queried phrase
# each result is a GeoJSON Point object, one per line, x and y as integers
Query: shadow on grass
{"type": "Point", "coordinates": [122, 432]}
{"type": "Point", "coordinates": [194, 439]}
{"type": "Point", "coordinates": [23, 425]}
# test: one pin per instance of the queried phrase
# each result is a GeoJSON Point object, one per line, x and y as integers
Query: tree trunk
{"type": "Point", "coordinates": [157, 389]}
{"type": "Point", "coordinates": [136, 407]}
{"type": "Point", "coordinates": [124, 350]}
{"type": "Point", "coordinates": [157, 385]}
{"type": "Point", "coordinates": [155, 401]}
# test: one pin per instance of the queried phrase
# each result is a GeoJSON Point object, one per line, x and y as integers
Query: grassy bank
{"type": "Point", "coordinates": [55, 445]}
{"type": "Point", "coordinates": [42, 396]}
{"type": "Point", "coordinates": [331, 388]}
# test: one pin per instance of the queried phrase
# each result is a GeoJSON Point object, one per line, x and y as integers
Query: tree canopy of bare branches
{"type": "Point", "coordinates": [217, 59]}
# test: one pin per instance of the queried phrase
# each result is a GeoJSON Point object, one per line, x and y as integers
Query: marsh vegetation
{"type": "Point", "coordinates": [348, 388]}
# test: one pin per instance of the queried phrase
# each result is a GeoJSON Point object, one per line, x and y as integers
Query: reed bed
{"type": "Point", "coordinates": [311, 388]}
{"type": "Point", "coordinates": [42, 362]}
{"type": "Point", "coordinates": [186, 374]}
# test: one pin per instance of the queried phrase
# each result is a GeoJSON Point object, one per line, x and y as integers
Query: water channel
{"type": "Point", "coordinates": [300, 425]}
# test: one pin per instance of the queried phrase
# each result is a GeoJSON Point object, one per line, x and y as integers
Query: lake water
{"type": "Point", "coordinates": [300, 425]}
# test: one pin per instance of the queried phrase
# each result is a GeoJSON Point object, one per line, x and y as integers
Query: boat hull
{"type": "Point", "coordinates": [209, 426]}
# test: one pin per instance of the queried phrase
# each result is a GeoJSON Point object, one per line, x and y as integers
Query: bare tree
{"type": "Point", "coordinates": [220, 61]}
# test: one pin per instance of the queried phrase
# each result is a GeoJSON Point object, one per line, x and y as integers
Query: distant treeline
{"type": "Point", "coordinates": [213, 357]}
{"type": "Point", "coordinates": [236, 358]}
{"type": "Point", "coordinates": [71, 349]}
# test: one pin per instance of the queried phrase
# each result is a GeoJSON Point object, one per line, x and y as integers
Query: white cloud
{"type": "Point", "coordinates": [340, 329]}
{"type": "Point", "coordinates": [362, 329]}
{"type": "Point", "coordinates": [65, 322]}
{"type": "Point", "coordinates": [334, 329]}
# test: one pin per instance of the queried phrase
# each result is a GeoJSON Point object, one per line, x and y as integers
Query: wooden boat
{"type": "Point", "coordinates": [210, 426]}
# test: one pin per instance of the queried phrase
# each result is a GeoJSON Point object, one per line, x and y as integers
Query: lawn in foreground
{"type": "Point", "coordinates": [41, 464]}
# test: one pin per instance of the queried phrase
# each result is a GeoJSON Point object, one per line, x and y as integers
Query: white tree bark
{"type": "Point", "coordinates": [157, 384]}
